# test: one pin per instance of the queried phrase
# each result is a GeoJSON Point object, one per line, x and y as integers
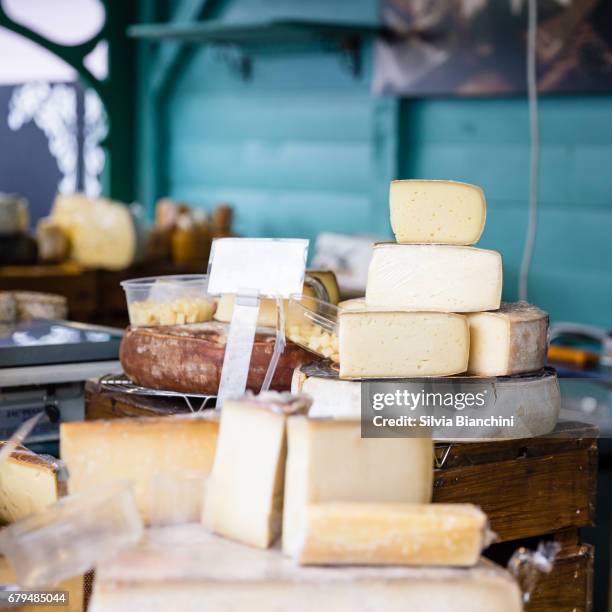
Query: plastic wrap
{"type": "Point", "coordinates": [528, 565]}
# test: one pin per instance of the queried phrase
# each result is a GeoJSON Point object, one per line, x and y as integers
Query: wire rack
{"type": "Point", "coordinates": [120, 383]}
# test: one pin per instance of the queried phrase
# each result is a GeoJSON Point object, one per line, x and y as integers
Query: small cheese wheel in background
{"type": "Point", "coordinates": [393, 534]}
{"type": "Point", "coordinates": [441, 212]}
{"type": "Point", "coordinates": [507, 341]}
{"type": "Point", "coordinates": [401, 344]}
{"type": "Point", "coordinates": [434, 277]}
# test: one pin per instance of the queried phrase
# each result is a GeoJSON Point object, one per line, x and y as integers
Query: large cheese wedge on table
{"type": "Point", "coordinates": [531, 401]}
{"type": "Point", "coordinates": [139, 450]}
{"type": "Point", "coordinates": [28, 483]}
{"type": "Point", "coordinates": [393, 534]}
{"type": "Point", "coordinates": [443, 212]}
{"type": "Point", "coordinates": [328, 460]}
{"type": "Point", "coordinates": [510, 340]}
{"type": "Point", "coordinates": [434, 277]}
{"type": "Point", "coordinates": [390, 344]}
{"type": "Point", "coordinates": [102, 233]}
{"type": "Point", "coordinates": [184, 568]}
{"type": "Point", "coordinates": [189, 358]}
{"type": "Point", "coordinates": [244, 494]}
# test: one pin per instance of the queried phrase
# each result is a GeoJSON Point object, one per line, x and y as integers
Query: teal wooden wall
{"type": "Point", "coordinates": [304, 147]}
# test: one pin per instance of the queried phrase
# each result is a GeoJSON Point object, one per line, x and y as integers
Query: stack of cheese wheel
{"type": "Point", "coordinates": [433, 308]}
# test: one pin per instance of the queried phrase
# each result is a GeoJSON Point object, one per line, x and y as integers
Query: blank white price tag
{"type": "Point", "coordinates": [274, 267]}
{"type": "Point", "coordinates": [250, 268]}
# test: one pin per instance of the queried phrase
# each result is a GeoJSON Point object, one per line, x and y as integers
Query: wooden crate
{"type": "Point", "coordinates": [532, 490]}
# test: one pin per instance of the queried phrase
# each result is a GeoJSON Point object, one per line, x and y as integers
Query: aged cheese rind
{"type": "Point", "coordinates": [328, 460]}
{"type": "Point", "coordinates": [510, 340]}
{"type": "Point", "coordinates": [532, 401]}
{"type": "Point", "coordinates": [434, 277]}
{"type": "Point", "coordinates": [137, 450]}
{"type": "Point", "coordinates": [442, 212]}
{"type": "Point", "coordinates": [189, 358]}
{"type": "Point", "coordinates": [389, 344]}
{"type": "Point", "coordinates": [244, 494]}
{"type": "Point", "coordinates": [393, 534]}
{"type": "Point", "coordinates": [178, 568]}
{"type": "Point", "coordinates": [28, 483]}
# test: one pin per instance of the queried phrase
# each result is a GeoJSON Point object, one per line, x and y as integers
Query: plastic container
{"type": "Point", "coordinates": [168, 300]}
{"type": "Point", "coordinates": [177, 498]}
{"type": "Point", "coordinates": [71, 536]}
{"type": "Point", "coordinates": [313, 324]}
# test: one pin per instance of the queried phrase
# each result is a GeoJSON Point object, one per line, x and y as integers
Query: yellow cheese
{"type": "Point", "coordinates": [401, 344]}
{"type": "Point", "coordinates": [53, 242]}
{"type": "Point", "coordinates": [102, 233]}
{"type": "Point", "coordinates": [330, 282]}
{"type": "Point", "coordinates": [138, 450]}
{"type": "Point", "coordinates": [393, 534]}
{"type": "Point", "coordinates": [28, 483]}
{"type": "Point", "coordinates": [442, 212]}
{"type": "Point", "coordinates": [74, 586]}
{"type": "Point", "coordinates": [434, 277]}
{"type": "Point", "coordinates": [507, 341]}
{"type": "Point", "coordinates": [244, 494]}
{"type": "Point", "coordinates": [328, 460]}
{"type": "Point", "coordinates": [184, 568]}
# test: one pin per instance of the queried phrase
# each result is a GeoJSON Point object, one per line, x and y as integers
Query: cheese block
{"type": "Point", "coordinates": [393, 534]}
{"type": "Point", "coordinates": [387, 344]}
{"type": "Point", "coordinates": [434, 277]}
{"type": "Point", "coordinates": [53, 243]}
{"type": "Point", "coordinates": [179, 568]}
{"type": "Point", "coordinates": [28, 483]}
{"type": "Point", "coordinates": [8, 307]}
{"type": "Point", "coordinates": [75, 587]}
{"type": "Point", "coordinates": [35, 305]}
{"type": "Point", "coordinates": [138, 450]}
{"type": "Point", "coordinates": [328, 460]}
{"type": "Point", "coordinates": [510, 340]}
{"type": "Point", "coordinates": [330, 282]}
{"type": "Point", "coordinates": [533, 401]}
{"type": "Point", "coordinates": [443, 212]}
{"type": "Point", "coordinates": [14, 214]}
{"type": "Point", "coordinates": [244, 494]}
{"type": "Point", "coordinates": [102, 233]}
{"type": "Point", "coordinates": [189, 358]}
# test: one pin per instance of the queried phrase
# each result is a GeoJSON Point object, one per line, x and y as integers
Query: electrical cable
{"type": "Point", "coordinates": [534, 149]}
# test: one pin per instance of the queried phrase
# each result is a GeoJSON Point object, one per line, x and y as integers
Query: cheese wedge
{"type": "Point", "coordinates": [328, 460]}
{"type": "Point", "coordinates": [393, 534]}
{"type": "Point", "coordinates": [138, 450]}
{"type": "Point", "coordinates": [179, 568]}
{"type": "Point", "coordinates": [434, 277]}
{"type": "Point", "coordinates": [401, 344]}
{"type": "Point", "coordinates": [244, 494]}
{"type": "Point", "coordinates": [507, 341]}
{"type": "Point", "coordinates": [442, 212]}
{"type": "Point", "coordinates": [28, 483]}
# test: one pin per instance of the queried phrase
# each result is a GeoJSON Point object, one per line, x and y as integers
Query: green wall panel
{"type": "Point", "coordinates": [486, 141]}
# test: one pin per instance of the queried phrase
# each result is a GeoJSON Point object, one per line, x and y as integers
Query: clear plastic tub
{"type": "Point", "coordinates": [72, 535]}
{"type": "Point", "coordinates": [313, 324]}
{"type": "Point", "coordinates": [168, 300]}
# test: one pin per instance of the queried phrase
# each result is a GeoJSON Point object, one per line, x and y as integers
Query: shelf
{"type": "Point", "coordinates": [252, 33]}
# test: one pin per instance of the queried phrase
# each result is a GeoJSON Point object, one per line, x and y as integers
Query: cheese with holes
{"type": "Point", "coordinates": [401, 344]}
{"type": "Point", "coordinates": [434, 277]}
{"type": "Point", "coordinates": [179, 568]}
{"type": "Point", "coordinates": [510, 340]}
{"type": "Point", "coordinates": [138, 450]}
{"type": "Point", "coordinates": [244, 494]}
{"type": "Point", "coordinates": [28, 483]}
{"type": "Point", "coordinates": [442, 212]}
{"type": "Point", "coordinates": [393, 534]}
{"type": "Point", "coordinates": [328, 460]}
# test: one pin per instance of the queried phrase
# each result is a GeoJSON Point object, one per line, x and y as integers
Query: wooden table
{"type": "Point", "coordinates": [532, 490]}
